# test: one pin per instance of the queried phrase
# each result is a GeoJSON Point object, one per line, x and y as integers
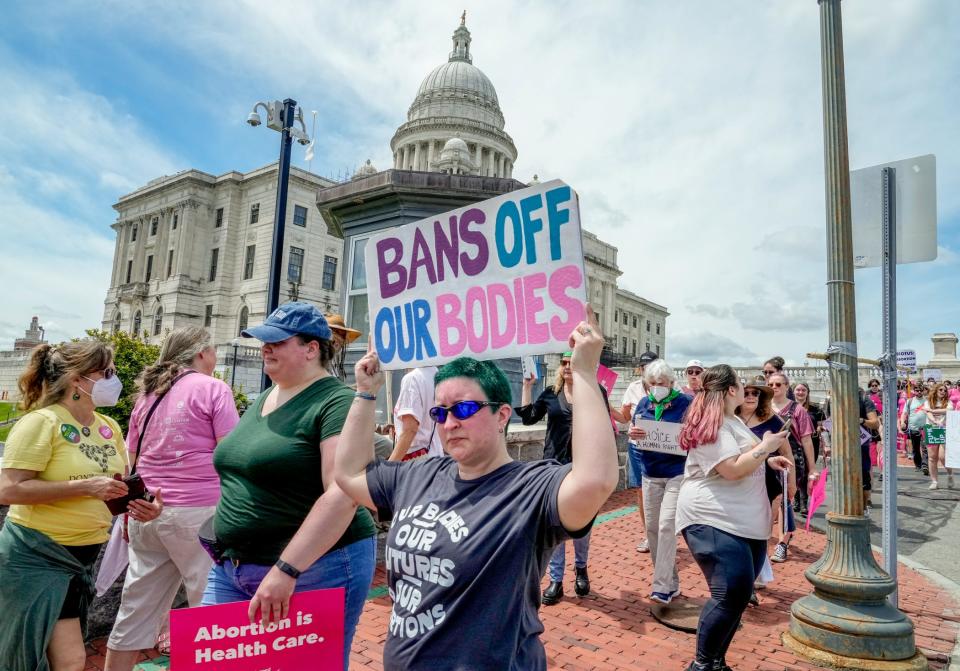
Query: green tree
{"type": "Point", "coordinates": [239, 398]}
{"type": "Point", "coordinates": [130, 356]}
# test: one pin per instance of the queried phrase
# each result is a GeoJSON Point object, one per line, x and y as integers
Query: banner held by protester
{"type": "Point", "coordinates": [496, 279]}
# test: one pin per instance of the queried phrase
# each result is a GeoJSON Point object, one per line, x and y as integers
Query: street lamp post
{"type": "Point", "coordinates": [847, 622]}
{"type": "Point", "coordinates": [280, 117]}
{"type": "Point", "coordinates": [233, 373]}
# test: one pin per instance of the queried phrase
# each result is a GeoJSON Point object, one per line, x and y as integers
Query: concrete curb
{"type": "Point", "coordinates": [941, 581]}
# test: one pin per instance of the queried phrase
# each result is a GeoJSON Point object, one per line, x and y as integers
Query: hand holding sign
{"type": "Point", "coordinates": [272, 598]}
{"type": "Point", "coordinates": [587, 343]}
{"type": "Point", "coordinates": [368, 374]}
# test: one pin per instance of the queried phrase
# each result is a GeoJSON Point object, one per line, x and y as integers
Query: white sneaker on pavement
{"type": "Point", "coordinates": [933, 485]}
{"type": "Point", "coordinates": [643, 545]}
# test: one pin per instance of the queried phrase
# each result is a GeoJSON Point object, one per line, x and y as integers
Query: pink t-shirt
{"type": "Point", "coordinates": [177, 451]}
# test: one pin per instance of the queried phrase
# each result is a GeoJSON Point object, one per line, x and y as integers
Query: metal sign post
{"type": "Point", "coordinates": [888, 177]}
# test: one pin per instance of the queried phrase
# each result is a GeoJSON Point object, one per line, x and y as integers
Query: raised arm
{"type": "Point", "coordinates": [356, 439]}
{"type": "Point", "coordinates": [593, 476]}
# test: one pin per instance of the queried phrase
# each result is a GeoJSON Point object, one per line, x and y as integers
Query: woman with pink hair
{"type": "Point", "coordinates": [722, 509]}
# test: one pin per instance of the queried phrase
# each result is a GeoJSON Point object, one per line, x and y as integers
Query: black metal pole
{"type": "Point", "coordinates": [233, 373]}
{"type": "Point", "coordinates": [280, 216]}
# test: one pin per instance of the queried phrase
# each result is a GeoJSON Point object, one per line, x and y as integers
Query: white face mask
{"type": "Point", "coordinates": [106, 392]}
{"type": "Point", "coordinates": [660, 393]}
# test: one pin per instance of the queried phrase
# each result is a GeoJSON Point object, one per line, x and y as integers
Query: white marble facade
{"type": "Point", "coordinates": [168, 232]}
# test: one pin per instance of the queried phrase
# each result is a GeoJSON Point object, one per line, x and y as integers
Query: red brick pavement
{"type": "Point", "coordinates": [613, 629]}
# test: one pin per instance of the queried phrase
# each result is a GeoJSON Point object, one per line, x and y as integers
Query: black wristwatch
{"type": "Point", "coordinates": [286, 568]}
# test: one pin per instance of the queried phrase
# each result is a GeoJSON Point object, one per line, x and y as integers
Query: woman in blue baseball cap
{"type": "Point", "coordinates": [282, 525]}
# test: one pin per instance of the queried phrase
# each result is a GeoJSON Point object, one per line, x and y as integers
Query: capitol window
{"type": "Point", "coordinates": [255, 213]}
{"type": "Point", "coordinates": [137, 323]}
{"type": "Point", "coordinates": [133, 233]}
{"type": "Point", "coordinates": [158, 321]}
{"type": "Point", "coordinates": [299, 215]}
{"type": "Point", "coordinates": [153, 225]}
{"type": "Point", "coordinates": [357, 303]}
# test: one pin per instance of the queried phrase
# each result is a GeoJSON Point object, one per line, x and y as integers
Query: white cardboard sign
{"type": "Point", "coordinates": [661, 437]}
{"type": "Point", "coordinates": [953, 439]}
{"type": "Point", "coordinates": [496, 279]}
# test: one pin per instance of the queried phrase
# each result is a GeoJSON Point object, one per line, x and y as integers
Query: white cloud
{"type": "Point", "coordinates": [57, 242]}
{"type": "Point", "coordinates": [711, 348]}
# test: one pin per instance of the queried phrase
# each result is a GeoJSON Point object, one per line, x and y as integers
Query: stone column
{"type": "Point", "coordinates": [118, 259]}
{"type": "Point", "coordinates": [416, 156]}
{"type": "Point", "coordinates": [429, 155]}
{"type": "Point", "coordinates": [477, 153]}
{"type": "Point", "coordinates": [403, 162]}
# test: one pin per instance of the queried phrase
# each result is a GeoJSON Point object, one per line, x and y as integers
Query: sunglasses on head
{"type": "Point", "coordinates": [751, 392]}
{"type": "Point", "coordinates": [461, 410]}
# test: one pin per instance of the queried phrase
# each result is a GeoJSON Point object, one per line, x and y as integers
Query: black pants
{"type": "Point", "coordinates": [919, 449]}
{"type": "Point", "coordinates": [730, 564]}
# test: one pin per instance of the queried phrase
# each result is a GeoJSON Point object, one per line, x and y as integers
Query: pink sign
{"type": "Point", "coordinates": [607, 378]}
{"type": "Point", "coordinates": [221, 637]}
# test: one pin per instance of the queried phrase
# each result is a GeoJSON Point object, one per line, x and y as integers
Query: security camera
{"type": "Point", "coordinates": [253, 119]}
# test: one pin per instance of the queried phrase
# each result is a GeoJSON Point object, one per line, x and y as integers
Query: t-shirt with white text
{"type": "Point", "coordinates": [464, 560]}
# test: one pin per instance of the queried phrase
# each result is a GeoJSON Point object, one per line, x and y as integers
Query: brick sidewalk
{"type": "Point", "coordinates": [613, 629]}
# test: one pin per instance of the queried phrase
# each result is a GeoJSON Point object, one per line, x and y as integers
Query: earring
{"type": "Point", "coordinates": [501, 430]}
{"type": "Point", "coordinates": [76, 396]}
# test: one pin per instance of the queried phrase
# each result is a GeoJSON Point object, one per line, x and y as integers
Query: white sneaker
{"type": "Point", "coordinates": [643, 546]}
{"type": "Point", "coordinates": [933, 485]}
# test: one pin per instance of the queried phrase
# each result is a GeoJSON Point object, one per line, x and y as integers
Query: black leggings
{"type": "Point", "coordinates": [730, 564]}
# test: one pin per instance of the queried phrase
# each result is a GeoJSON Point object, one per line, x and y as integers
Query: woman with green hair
{"type": "Point", "coordinates": [473, 531]}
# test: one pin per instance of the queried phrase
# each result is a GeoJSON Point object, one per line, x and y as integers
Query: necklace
{"type": "Point", "coordinates": [748, 419]}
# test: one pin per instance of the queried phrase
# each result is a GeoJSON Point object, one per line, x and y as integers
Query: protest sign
{"type": "Point", "coordinates": [529, 366]}
{"type": "Point", "coordinates": [661, 437]}
{"type": "Point", "coordinates": [934, 374]}
{"type": "Point", "coordinates": [496, 279]}
{"type": "Point", "coordinates": [952, 445]}
{"type": "Point", "coordinates": [865, 435]}
{"type": "Point", "coordinates": [221, 637]}
{"type": "Point", "coordinates": [607, 379]}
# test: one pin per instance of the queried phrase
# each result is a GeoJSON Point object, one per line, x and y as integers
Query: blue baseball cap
{"type": "Point", "coordinates": [288, 320]}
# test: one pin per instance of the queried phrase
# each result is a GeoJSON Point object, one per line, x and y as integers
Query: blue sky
{"type": "Point", "coordinates": [692, 132]}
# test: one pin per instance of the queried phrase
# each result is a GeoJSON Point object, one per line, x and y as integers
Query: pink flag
{"type": "Point", "coordinates": [817, 496]}
{"type": "Point", "coordinates": [607, 379]}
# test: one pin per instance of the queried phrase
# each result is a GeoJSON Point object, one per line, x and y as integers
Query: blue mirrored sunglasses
{"type": "Point", "coordinates": [461, 410]}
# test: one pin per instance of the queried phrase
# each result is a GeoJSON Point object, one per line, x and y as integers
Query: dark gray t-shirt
{"type": "Point", "coordinates": [464, 561]}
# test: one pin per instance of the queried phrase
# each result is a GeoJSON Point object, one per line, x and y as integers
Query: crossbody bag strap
{"type": "Point", "coordinates": [146, 421]}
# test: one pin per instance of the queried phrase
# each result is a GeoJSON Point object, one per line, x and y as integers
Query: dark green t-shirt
{"type": "Point", "coordinates": [270, 474]}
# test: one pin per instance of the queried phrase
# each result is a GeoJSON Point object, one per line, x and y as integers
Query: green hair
{"type": "Point", "coordinates": [486, 374]}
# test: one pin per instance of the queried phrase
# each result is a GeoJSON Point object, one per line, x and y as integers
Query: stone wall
{"type": "Point", "coordinates": [525, 443]}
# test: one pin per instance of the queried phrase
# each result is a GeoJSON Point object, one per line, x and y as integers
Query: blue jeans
{"type": "Point", "coordinates": [730, 564]}
{"type": "Point", "coordinates": [581, 548]}
{"type": "Point", "coordinates": [351, 567]}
